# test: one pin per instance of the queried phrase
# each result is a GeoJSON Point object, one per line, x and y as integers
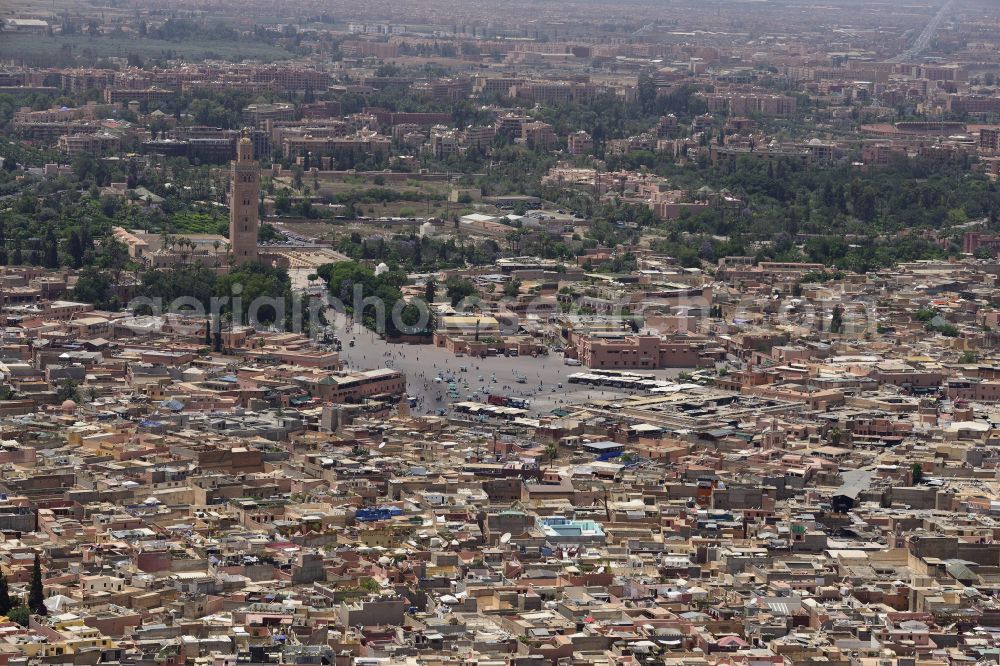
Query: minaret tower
{"type": "Point", "coordinates": [244, 195]}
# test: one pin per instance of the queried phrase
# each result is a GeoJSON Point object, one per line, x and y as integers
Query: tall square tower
{"type": "Point", "coordinates": [243, 212]}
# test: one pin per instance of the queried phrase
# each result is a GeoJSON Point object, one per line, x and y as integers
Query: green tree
{"type": "Point", "coordinates": [67, 391]}
{"type": "Point", "coordinates": [267, 234]}
{"type": "Point", "coordinates": [20, 614]}
{"type": "Point", "coordinates": [36, 591]}
{"type": "Point", "coordinates": [51, 249]}
{"type": "Point", "coordinates": [837, 319]}
{"type": "Point", "coordinates": [75, 248]}
{"type": "Point", "coordinates": [459, 289]}
{"type": "Point", "coordinates": [94, 286]}
{"type": "Point", "coordinates": [113, 257]}
{"type": "Point", "coordinates": [551, 450]}
{"type": "Point", "coordinates": [217, 336]}
{"type": "Point", "coordinates": [917, 472]}
{"type": "Point", "coordinates": [258, 282]}
{"type": "Point", "coordinates": [968, 357]}
{"type": "Point", "coordinates": [6, 603]}
{"type": "Point", "coordinates": [345, 277]}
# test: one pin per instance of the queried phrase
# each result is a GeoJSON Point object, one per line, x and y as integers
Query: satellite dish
{"type": "Point", "coordinates": [382, 445]}
{"type": "Point", "coordinates": [505, 538]}
{"type": "Point", "coordinates": [600, 570]}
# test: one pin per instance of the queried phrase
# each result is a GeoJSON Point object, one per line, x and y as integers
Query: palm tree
{"type": "Point", "coordinates": [514, 237]}
{"type": "Point", "coordinates": [551, 450]}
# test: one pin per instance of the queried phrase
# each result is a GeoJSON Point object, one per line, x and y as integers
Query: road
{"type": "Point", "coordinates": [923, 41]}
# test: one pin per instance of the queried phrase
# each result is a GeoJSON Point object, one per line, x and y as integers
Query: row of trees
{"type": "Point", "coordinates": [247, 281]}
{"type": "Point", "coordinates": [347, 279]}
{"type": "Point", "coordinates": [196, 282]}
{"type": "Point", "coordinates": [908, 210]}
{"type": "Point", "coordinates": [414, 253]}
